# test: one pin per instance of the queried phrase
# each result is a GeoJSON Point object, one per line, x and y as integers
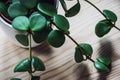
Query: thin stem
{"type": "Point", "coordinates": [30, 54]}
{"type": "Point", "coordinates": [79, 47]}
{"type": "Point", "coordinates": [73, 41]}
{"type": "Point", "coordinates": [102, 14]}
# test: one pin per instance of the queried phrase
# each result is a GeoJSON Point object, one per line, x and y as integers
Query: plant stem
{"type": "Point", "coordinates": [30, 54]}
{"type": "Point", "coordinates": [79, 47]}
{"type": "Point", "coordinates": [73, 41]}
{"type": "Point", "coordinates": [102, 14]}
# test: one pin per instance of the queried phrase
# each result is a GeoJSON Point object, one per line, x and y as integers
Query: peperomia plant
{"type": "Point", "coordinates": [34, 19]}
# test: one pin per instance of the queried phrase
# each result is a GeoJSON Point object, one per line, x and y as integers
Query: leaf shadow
{"type": "Point", "coordinates": [43, 49]}
{"type": "Point", "coordinates": [82, 72]}
{"type": "Point", "coordinates": [106, 50]}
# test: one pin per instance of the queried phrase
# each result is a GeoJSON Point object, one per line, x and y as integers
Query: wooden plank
{"type": "Point", "coordinates": [60, 64]}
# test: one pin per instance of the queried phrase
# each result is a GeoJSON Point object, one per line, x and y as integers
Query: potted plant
{"type": "Point", "coordinates": [33, 19]}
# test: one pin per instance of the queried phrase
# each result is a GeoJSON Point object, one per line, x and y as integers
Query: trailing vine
{"type": "Point", "coordinates": [34, 20]}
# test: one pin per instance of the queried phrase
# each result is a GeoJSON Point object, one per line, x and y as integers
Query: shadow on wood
{"type": "Point", "coordinates": [44, 49]}
{"type": "Point", "coordinates": [106, 50]}
{"type": "Point", "coordinates": [82, 72]}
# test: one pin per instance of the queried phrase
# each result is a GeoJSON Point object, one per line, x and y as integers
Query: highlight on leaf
{"type": "Point", "coordinates": [110, 15]}
{"type": "Point", "coordinates": [102, 28]}
{"type": "Point", "coordinates": [56, 38]}
{"type": "Point", "coordinates": [50, 10]}
{"type": "Point", "coordinates": [101, 67]}
{"type": "Point", "coordinates": [23, 66]}
{"type": "Point", "coordinates": [16, 9]}
{"type": "Point", "coordinates": [21, 23]}
{"type": "Point", "coordinates": [61, 22]}
{"type": "Point", "coordinates": [87, 49]}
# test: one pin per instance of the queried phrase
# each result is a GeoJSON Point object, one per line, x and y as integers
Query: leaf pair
{"type": "Point", "coordinates": [82, 49]}
{"type": "Point", "coordinates": [104, 26]}
{"type": "Point", "coordinates": [24, 65]}
{"type": "Point", "coordinates": [72, 11]}
{"type": "Point", "coordinates": [36, 22]}
{"type": "Point", "coordinates": [102, 64]}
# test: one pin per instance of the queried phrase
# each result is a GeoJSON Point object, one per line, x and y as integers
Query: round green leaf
{"type": "Point", "coordinates": [21, 23]}
{"type": "Point", "coordinates": [23, 66]}
{"type": "Point", "coordinates": [73, 11]}
{"type": "Point", "coordinates": [50, 10]}
{"type": "Point", "coordinates": [110, 15]}
{"type": "Point", "coordinates": [41, 36]}
{"type": "Point", "coordinates": [15, 79]}
{"type": "Point", "coordinates": [29, 3]}
{"type": "Point", "coordinates": [37, 22]}
{"type": "Point", "coordinates": [64, 6]}
{"type": "Point", "coordinates": [101, 67]}
{"type": "Point", "coordinates": [23, 39]}
{"type": "Point", "coordinates": [78, 55]}
{"type": "Point", "coordinates": [56, 38]}
{"type": "Point", "coordinates": [16, 9]}
{"type": "Point", "coordinates": [104, 60]}
{"type": "Point", "coordinates": [102, 28]}
{"type": "Point", "coordinates": [87, 48]}
{"type": "Point", "coordinates": [61, 22]}
{"type": "Point", "coordinates": [35, 78]}
{"type": "Point", "coordinates": [38, 64]}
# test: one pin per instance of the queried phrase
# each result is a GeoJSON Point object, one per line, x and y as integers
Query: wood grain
{"type": "Point", "coordinates": [59, 62]}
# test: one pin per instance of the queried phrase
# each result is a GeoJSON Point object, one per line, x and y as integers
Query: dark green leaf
{"type": "Point", "coordinates": [110, 15]}
{"type": "Point", "coordinates": [37, 22]}
{"type": "Point", "coordinates": [3, 8]}
{"type": "Point", "coordinates": [50, 10]}
{"type": "Point", "coordinates": [102, 28]}
{"type": "Point", "coordinates": [104, 60]}
{"type": "Point", "coordinates": [101, 67]}
{"type": "Point", "coordinates": [87, 48]}
{"type": "Point", "coordinates": [23, 39]}
{"type": "Point", "coordinates": [61, 22]}
{"type": "Point", "coordinates": [29, 3]}
{"type": "Point", "coordinates": [78, 55]}
{"type": "Point", "coordinates": [23, 66]}
{"type": "Point", "coordinates": [35, 78]}
{"type": "Point", "coordinates": [38, 64]}
{"type": "Point", "coordinates": [64, 6]}
{"type": "Point", "coordinates": [73, 11]}
{"type": "Point", "coordinates": [15, 79]}
{"type": "Point", "coordinates": [16, 9]}
{"type": "Point", "coordinates": [41, 36]}
{"type": "Point", "coordinates": [21, 23]}
{"type": "Point", "coordinates": [56, 38]}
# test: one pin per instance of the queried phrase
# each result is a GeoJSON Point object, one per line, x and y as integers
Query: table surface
{"type": "Point", "coordinates": [59, 62]}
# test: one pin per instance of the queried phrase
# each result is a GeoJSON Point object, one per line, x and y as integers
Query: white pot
{"type": "Point", "coordinates": [10, 32]}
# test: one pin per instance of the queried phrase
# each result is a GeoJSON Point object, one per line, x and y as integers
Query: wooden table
{"type": "Point", "coordinates": [59, 62]}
